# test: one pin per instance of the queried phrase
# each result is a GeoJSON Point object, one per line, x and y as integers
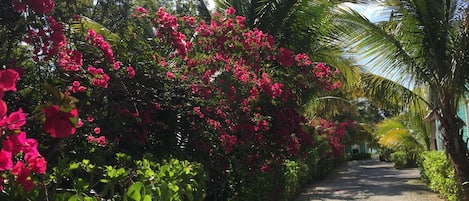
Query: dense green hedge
{"type": "Point", "coordinates": [402, 159]}
{"type": "Point", "coordinates": [438, 173]}
{"type": "Point", "coordinates": [285, 183]}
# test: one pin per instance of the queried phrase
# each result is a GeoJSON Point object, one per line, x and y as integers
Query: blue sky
{"type": "Point", "coordinates": [374, 11]}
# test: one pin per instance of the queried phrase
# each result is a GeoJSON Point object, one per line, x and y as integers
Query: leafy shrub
{"type": "Point", "coordinates": [403, 159]}
{"type": "Point", "coordinates": [384, 154]}
{"type": "Point", "coordinates": [438, 173]}
{"type": "Point", "coordinates": [400, 160]}
{"type": "Point", "coordinates": [230, 103]}
{"type": "Point", "coordinates": [292, 175]}
{"type": "Point", "coordinates": [173, 180]}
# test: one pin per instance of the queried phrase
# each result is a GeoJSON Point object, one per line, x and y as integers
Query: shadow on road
{"type": "Point", "coordinates": [370, 180]}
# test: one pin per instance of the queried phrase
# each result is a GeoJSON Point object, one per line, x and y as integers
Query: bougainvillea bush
{"type": "Point", "coordinates": [87, 113]}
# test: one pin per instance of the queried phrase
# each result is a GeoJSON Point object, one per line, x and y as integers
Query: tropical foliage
{"type": "Point", "coordinates": [111, 100]}
{"type": "Point", "coordinates": [425, 43]}
{"type": "Point", "coordinates": [438, 173]}
{"type": "Point", "coordinates": [394, 134]}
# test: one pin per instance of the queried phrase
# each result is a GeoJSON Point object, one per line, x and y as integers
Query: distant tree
{"type": "Point", "coordinates": [426, 40]}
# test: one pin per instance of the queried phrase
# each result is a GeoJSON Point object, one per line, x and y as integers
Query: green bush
{"type": "Point", "coordinates": [438, 173]}
{"type": "Point", "coordinates": [172, 180]}
{"type": "Point", "coordinates": [292, 177]}
{"type": "Point", "coordinates": [400, 160]}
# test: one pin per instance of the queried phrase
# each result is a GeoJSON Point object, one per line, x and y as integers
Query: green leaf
{"type": "Point", "coordinates": [74, 121]}
{"type": "Point", "coordinates": [85, 161]}
{"type": "Point", "coordinates": [66, 102]}
{"type": "Point", "coordinates": [74, 165]}
{"type": "Point", "coordinates": [76, 198]}
{"type": "Point", "coordinates": [136, 192]}
{"type": "Point", "coordinates": [104, 181]}
{"type": "Point", "coordinates": [165, 192]}
{"type": "Point", "coordinates": [87, 198]}
{"type": "Point", "coordinates": [87, 24]}
{"type": "Point", "coordinates": [174, 187]}
{"type": "Point", "coordinates": [147, 198]}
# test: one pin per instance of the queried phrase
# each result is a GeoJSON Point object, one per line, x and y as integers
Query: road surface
{"type": "Point", "coordinates": [370, 180]}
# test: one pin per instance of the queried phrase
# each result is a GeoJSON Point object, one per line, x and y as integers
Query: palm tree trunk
{"type": "Point", "coordinates": [456, 148]}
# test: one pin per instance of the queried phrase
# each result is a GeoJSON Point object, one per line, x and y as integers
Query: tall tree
{"type": "Point", "coordinates": [426, 40]}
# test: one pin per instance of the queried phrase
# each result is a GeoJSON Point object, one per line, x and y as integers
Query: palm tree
{"type": "Point", "coordinates": [401, 135]}
{"type": "Point", "coordinates": [427, 40]}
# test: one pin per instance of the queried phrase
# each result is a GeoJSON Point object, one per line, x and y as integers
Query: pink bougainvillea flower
{"type": "Point", "coordinates": [8, 80]}
{"type": "Point", "coordinates": [15, 143]}
{"type": "Point", "coordinates": [140, 12]}
{"type": "Point", "coordinates": [58, 123]}
{"type": "Point", "coordinates": [14, 121]}
{"type": "Point", "coordinates": [42, 6]}
{"type": "Point", "coordinates": [101, 140]}
{"type": "Point", "coordinates": [230, 11]}
{"type": "Point", "coordinates": [98, 41]}
{"type": "Point", "coordinates": [76, 17]}
{"type": "Point", "coordinates": [100, 78]}
{"type": "Point", "coordinates": [157, 106]}
{"type": "Point", "coordinates": [302, 60]}
{"type": "Point", "coordinates": [276, 90]}
{"type": "Point", "coordinates": [90, 138]}
{"type": "Point", "coordinates": [170, 75]}
{"type": "Point", "coordinates": [3, 108]}
{"type": "Point", "coordinates": [131, 71]}
{"type": "Point", "coordinates": [18, 168]}
{"type": "Point", "coordinates": [79, 123]}
{"type": "Point", "coordinates": [240, 21]}
{"type": "Point", "coordinates": [228, 142]}
{"type": "Point", "coordinates": [70, 60]}
{"type": "Point", "coordinates": [38, 6]}
{"type": "Point", "coordinates": [285, 57]}
{"type": "Point", "coordinates": [76, 87]}
{"type": "Point", "coordinates": [117, 65]}
{"type": "Point", "coordinates": [22, 173]}
{"type": "Point", "coordinates": [6, 162]}
{"type": "Point", "coordinates": [30, 146]}
{"type": "Point", "coordinates": [19, 6]}
{"type": "Point", "coordinates": [37, 163]}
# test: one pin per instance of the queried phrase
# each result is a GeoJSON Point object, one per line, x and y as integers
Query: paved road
{"type": "Point", "coordinates": [370, 180]}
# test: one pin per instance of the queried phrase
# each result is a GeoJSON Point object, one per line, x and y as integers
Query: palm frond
{"type": "Point", "coordinates": [203, 11]}
{"type": "Point", "coordinates": [384, 52]}
{"type": "Point", "coordinates": [273, 14]}
{"type": "Point", "coordinates": [330, 106]}
{"type": "Point", "coordinates": [387, 125]}
{"type": "Point", "coordinates": [246, 8]}
{"type": "Point", "coordinates": [393, 134]}
{"type": "Point", "coordinates": [415, 116]}
{"type": "Point", "coordinates": [393, 138]}
{"type": "Point", "coordinates": [349, 72]}
{"type": "Point", "coordinates": [86, 24]}
{"type": "Point", "coordinates": [389, 94]}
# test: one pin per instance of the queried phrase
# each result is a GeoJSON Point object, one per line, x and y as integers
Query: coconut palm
{"type": "Point", "coordinates": [400, 135]}
{"type": "Point", "coordinates": [426, 40]}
